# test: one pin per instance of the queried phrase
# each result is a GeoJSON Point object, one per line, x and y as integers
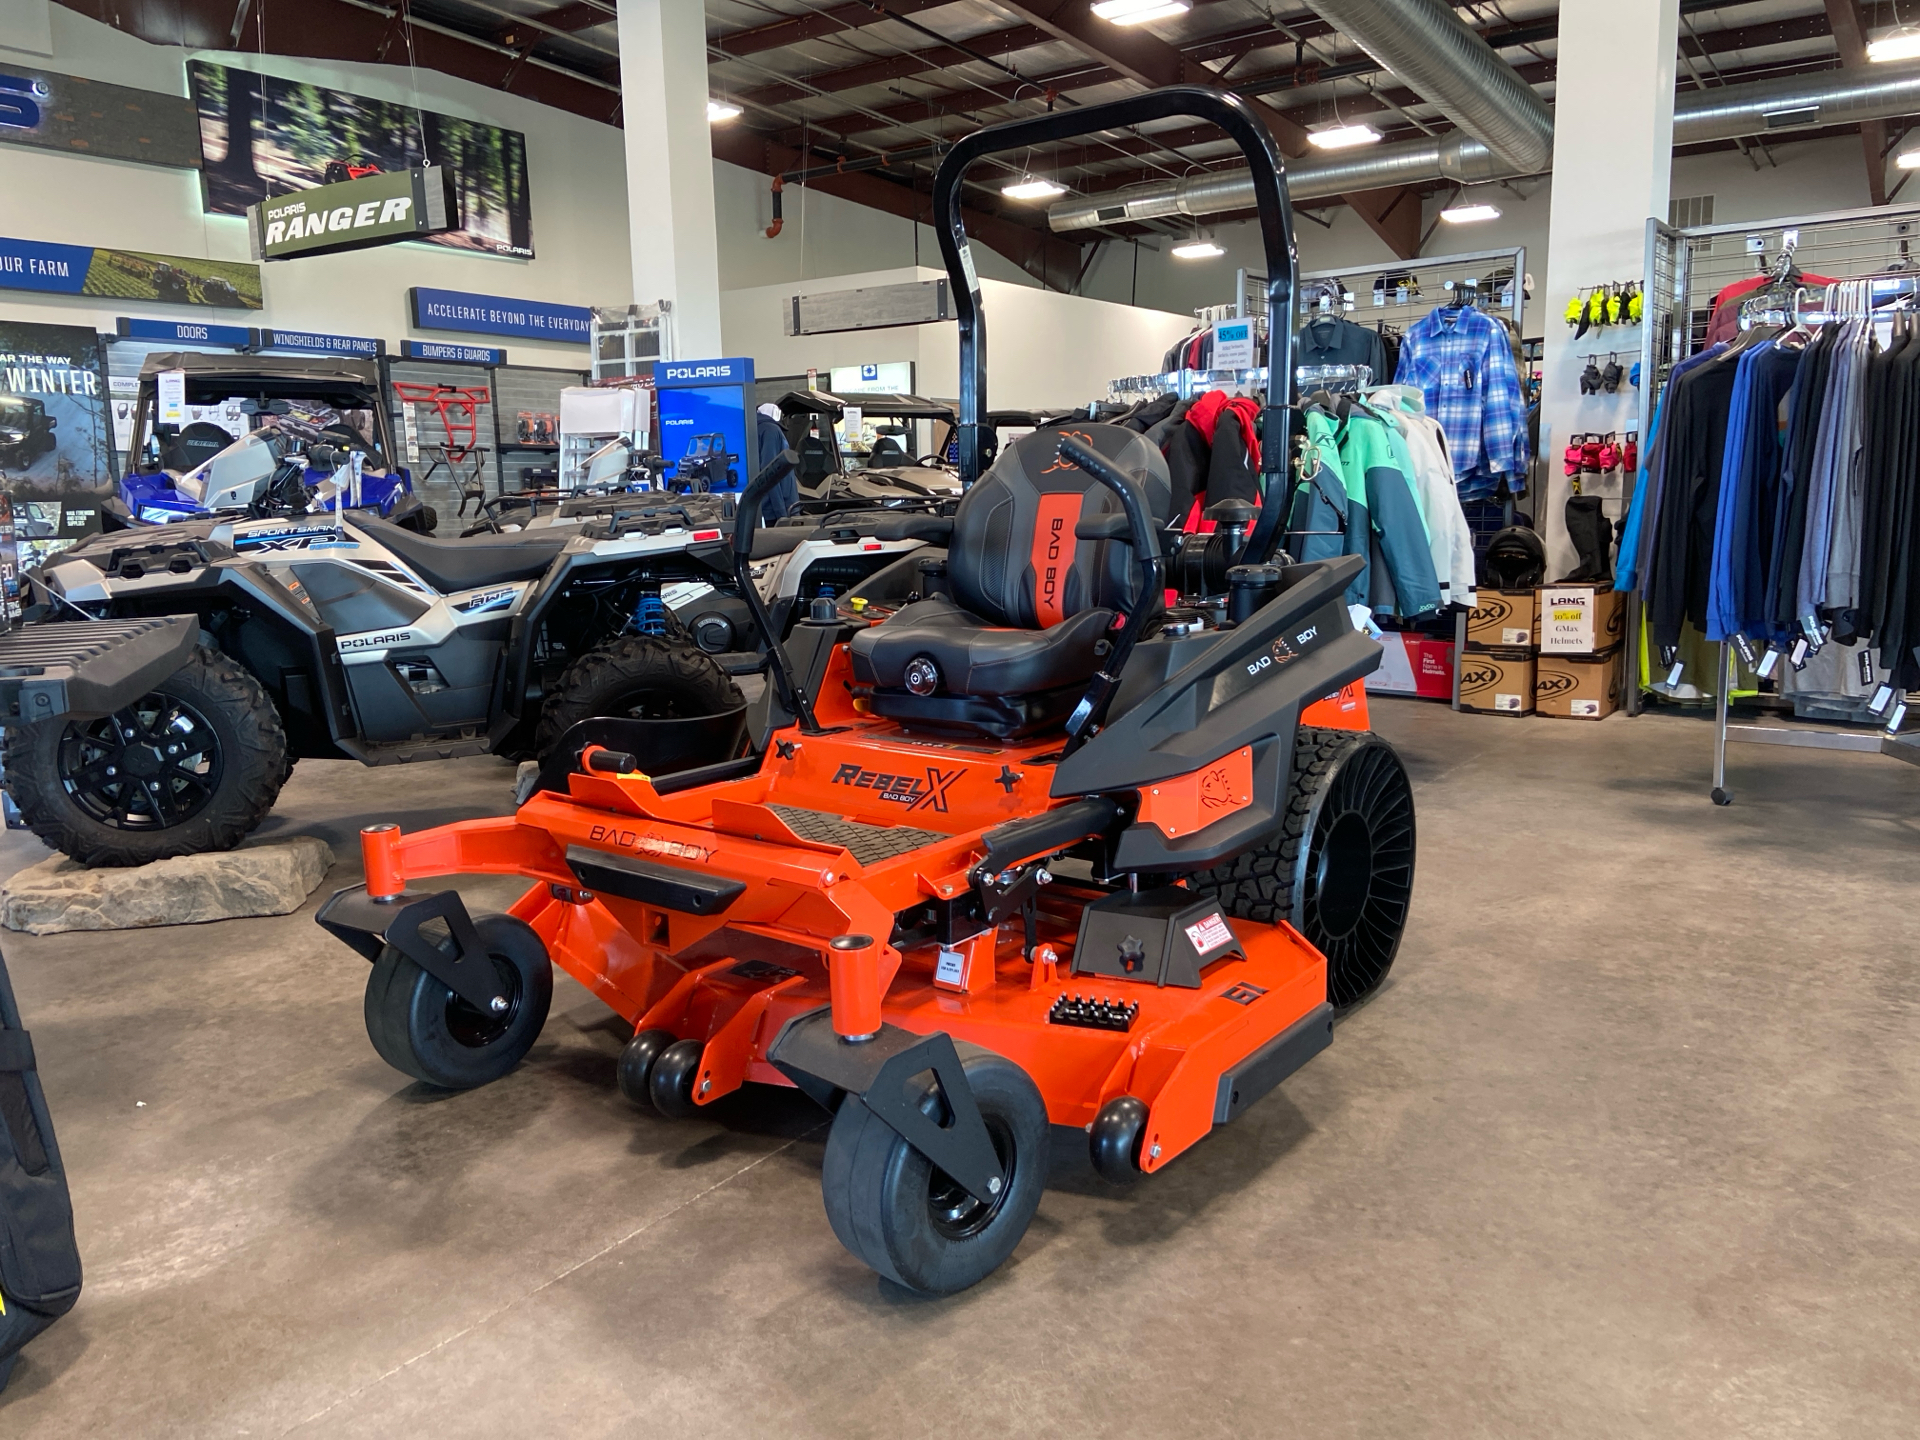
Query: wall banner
{"type": "Point", "coordinates": [497, 315]}
{"type": "Point", "coordinates": [128, 275]}
{"type": "Point", "coordinates": [56, 437]}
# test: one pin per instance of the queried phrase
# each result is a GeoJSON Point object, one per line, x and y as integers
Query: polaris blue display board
{"type": "Point", "coordinates": [186, 332]}
{"type": "Point", "coordinates": [309, 342]}
{"type": "Point", "coordinates": [704, 418]}
{"type": "Point", "coordinates": [472, 314]}
{"type": "Point", "coordinates": [670, 374]}
{"type": "Point", "coordinates": [452, 353]}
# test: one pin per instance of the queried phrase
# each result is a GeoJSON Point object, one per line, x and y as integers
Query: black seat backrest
{"type": "Point", "coordinates": [813, 460]}
{"type": "Point", "coordinates": [1014, 559]}
{"type": "Point", "coordinates": [886, 451]}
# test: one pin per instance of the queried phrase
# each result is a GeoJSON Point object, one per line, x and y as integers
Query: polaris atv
{"type": "Point", "coordinates": [1033, 852]}
{"type": "Point", "coordinates": [334, 403]}
{"type": "Point", "coordinates": [341, 635]}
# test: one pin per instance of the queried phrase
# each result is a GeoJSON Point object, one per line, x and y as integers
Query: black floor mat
{"type": "Point", "coordinates": [869, 844]}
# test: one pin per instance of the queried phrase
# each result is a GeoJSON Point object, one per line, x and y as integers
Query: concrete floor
{"type": "Point", "coordinates": [1628, 1145]}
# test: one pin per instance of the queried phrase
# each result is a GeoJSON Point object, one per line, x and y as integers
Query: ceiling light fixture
{"type": "Point", "coordinates": [1031, 187]}
{"type": "Point", "coordinates": [1342, 137]}
{"type": "Point", "coordinates": [719, 112]}
{"type": "Point", "coordinates": [1908, 160]}
{"type": "Point", "coordinates": [1138, 12]}
{"type": "Point", "coordinates": [1467, 214]}
{"type": "Point", "coordinates": [1200, 247]}
{"type": "Point", "coordinates": [1901, 44]}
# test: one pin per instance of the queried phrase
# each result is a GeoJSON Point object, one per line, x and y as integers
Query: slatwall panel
{"type": "Point", "coordinates": [533, 389]}
{"type": "Point", "coordinates": [439, 490]}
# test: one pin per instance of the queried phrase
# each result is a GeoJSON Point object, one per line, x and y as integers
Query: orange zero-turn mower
{"type": "Point", "coordinates": [1013, 844]}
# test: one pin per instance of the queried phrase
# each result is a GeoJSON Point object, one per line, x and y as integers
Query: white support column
{"type": "Point", "coordinates": [1612, 161]}
{"type": "Point", "coordinates": [670, 224]}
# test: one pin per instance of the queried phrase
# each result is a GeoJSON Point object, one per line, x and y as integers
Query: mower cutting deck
{"type": "Point", "coordinates": [1031, 850]}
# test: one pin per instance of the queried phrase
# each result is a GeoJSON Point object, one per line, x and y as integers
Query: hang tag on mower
{"type": "Point", "coordinates": [1748, 656]}
{"type": "Point", "coordinates": [951, 968]}
{"type": "Point", "coordinates": [1767, 663]}
{"type": "Point", "coordinates": [1797, 657]}
{"type": "Point", "coordinates": [1679, 669]}
{"type": "Point", "coordinates": [1882, 698]}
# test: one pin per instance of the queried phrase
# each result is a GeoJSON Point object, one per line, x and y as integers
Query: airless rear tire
{"type": "Point", "coordinates": [1340, 866]}
{"type": "Point", "coordinates": [904, 1217]}
{"type": "Point", "coordinates": [422, 1029]}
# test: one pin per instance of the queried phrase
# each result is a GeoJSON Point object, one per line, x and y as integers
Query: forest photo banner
{"type": "Point", "coordinates": [293, 136]}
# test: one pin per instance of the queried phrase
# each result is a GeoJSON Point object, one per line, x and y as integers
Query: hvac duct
{"type": "Point", "coordinates": [1448, 65]}
{"type": "Point", "coordinates": [1766, 107]}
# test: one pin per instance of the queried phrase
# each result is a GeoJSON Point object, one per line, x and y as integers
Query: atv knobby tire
{"type": "Point", "coordinates": [636, 675]}
{"type": "Point", "coordinates": [210, 737]}
{"type": "Point", "coordinates": [1340, 867]}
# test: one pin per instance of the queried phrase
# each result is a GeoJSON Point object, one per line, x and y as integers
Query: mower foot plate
{"type": "Point", "coordinates": [879, 1073]}
{"type": "Point", "coordinates": [1243, 1083]}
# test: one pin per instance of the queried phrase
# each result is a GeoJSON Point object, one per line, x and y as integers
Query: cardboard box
{"type": "Point", "coordinates": [1413, 665]}
{"type": "Point", "coordinates": [1578, 687]}
{"type": "Point", "coordinates": [1581, 619]}
{"type": "Point", "coordinates": [1497, 682]}
{"type": "Point", "coordinates": [1504, 620]}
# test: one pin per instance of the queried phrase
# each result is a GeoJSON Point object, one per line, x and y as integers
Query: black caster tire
{"type": "Point", "coordinates": [1721, 797]}
{"type": "Point", "coordinates": [675, 1073]}
{"type": "Point", "coordinates": [423, 1029]}
{"type": "Point", "coordinates": [1340, 867]}
{"type": "Point", "coordinates": [637, 1059]}
{"type": "Point", "coordinates": [1115, 1139]}
{"type": "Point", "coordinates": [908, 1220]}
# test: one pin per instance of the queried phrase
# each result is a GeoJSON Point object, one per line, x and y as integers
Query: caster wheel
{"type": "Point", "coordinates": [670, 1086]}
{"type": "Point", "coordinates": [1115, 1139]}
{"type": "Point", "coordinates": [423, 1029]}
{"type": "Point", "coordinates": [637, 1059]}
{"type": "Point", "coordinates": [1722, 797]}
{"type": "Point", "coordinates": [904, 1217]}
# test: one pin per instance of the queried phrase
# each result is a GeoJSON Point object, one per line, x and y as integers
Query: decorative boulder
{"type": "Point", "coordinates": [272, 878]}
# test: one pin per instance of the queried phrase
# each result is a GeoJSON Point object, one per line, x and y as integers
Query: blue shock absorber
{"type": "Point", "coordinates": [650, 615]}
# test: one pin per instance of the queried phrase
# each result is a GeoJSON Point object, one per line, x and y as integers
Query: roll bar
{"type": "Point", "coordinates": [1233, 115]}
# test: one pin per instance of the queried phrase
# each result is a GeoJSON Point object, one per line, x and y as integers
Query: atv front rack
{"type": "Point", "coordinates": [87, 668]}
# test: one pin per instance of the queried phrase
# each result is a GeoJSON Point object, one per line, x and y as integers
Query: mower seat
{"type": "Point", "coordinates": [450, 565]}
{"type": "Point", "coordinates": [1011, 652]}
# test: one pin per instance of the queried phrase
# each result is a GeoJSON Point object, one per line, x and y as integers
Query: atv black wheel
{"type": "Point", "coordinates": [193, 766]}
{"type": "Point", "coordinates": [904, 1217]}
{"type": "Point", "coordinates": [636, 676]}
{"type": "Point", "coordinates": [423, 1029]}
{"type": "Point", "coordinates": [1340, 868]}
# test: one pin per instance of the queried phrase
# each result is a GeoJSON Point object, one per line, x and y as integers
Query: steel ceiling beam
{"type": "Point", "coordinates": [816, 25]}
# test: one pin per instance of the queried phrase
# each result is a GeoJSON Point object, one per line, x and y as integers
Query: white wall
{"type": "Point", "coordinates": [1043, 349]}
{"type": "Point", "coordinates": [579, 198]}
{"type": "Point", "coordinates": [820, 235]}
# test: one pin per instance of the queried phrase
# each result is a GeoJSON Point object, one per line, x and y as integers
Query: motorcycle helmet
{"type": "Point", "coordinates": [1516, 559]}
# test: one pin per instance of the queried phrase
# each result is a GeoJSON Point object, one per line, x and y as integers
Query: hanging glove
{"type": "Point", "coordinates": [1590, 378]}
{"type": "Point", "coordinates": [1590, 454]}
{"type": "Point", "coordinates": [1630, 452]}
{"type": "Point", "coordinates": [1597, 309]}
{"type": "Point", "coordinates": [1571, 459]}
{"type": "Point", "coordinates": [1608, 456]}
{"type": "Point", "coordinates": [1636, 306]}
{"type": "Point", "coordinates": [1576, 307]}
{"type": "Point", "coordinates": [1611, 376]}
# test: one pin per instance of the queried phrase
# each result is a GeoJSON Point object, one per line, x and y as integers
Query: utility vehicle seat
{"type": "Point", "coordinates": [1011, 653]}
{"type": "Point", "coordinates": [450, 565]}
{"type": "Point", "coordinates": [814, 462]}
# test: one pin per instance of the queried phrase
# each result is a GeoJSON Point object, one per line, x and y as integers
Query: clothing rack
{"type": "Point", "coordinates": [1868, 298]}
{"type": "Point", "coordinates": [1334, 379]}
{"type": "Point", "coordinates": [1189, 383]}
{"type": "Point", "coordinates": [1494, 280]}
{"type": "Point", "coordinates": [1683, 268]}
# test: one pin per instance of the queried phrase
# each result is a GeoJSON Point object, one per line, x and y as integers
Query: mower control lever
{"type": "Point", "coordinates": [1091, 713]}
{"type": "Point", "coordinates": [778, 669]}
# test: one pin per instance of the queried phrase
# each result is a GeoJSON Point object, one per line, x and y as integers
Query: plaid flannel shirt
{"type": "Point", "coordinates": [1462, 363]}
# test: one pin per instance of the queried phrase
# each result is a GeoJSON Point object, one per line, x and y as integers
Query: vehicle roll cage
{"type": "Point", "coordinates": [1233, 115]}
